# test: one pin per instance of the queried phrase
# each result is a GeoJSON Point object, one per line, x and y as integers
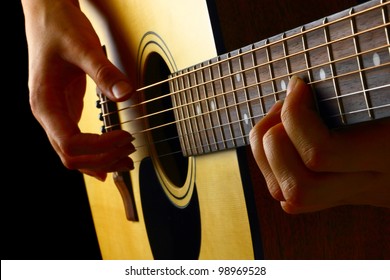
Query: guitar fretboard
{"type": "Point", "coordinates": [344, 57]}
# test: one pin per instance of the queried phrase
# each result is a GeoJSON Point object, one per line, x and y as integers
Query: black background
{"type": "Point", "coordinates": [45, 210]}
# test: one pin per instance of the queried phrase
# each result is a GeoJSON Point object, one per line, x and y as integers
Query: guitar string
{"type": "Point", "coordinates": [244, 138]}
{"type": "Point", "coordinates": [252, 85]}
{"type": "Point", "coordinates": [220, 127]}
{"type": "Point", "coordinates": [257, 66]}
{"type": "Point", "coordinates": [284, 39]}
{"type": "Point", "coordinates": [245, 88]}
{"type": "Point", "coordinates": [257, 116]}
{"type": "Point", "coordinates": [209, 145]}
{"type": "Point", "coordinates": [224, 141]}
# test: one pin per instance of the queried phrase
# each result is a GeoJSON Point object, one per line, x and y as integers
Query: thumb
{"type": "Point", "coordinates": [108, 78]}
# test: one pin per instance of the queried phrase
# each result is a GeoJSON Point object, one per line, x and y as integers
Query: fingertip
{"type": "Point", "coordinates": [101, 176]}
{"type": "Point", "coordinates": [296, 85]}
{"type": "Point", "coordinates": [270, 119]}
{"type": "Point", "coordinates": [292, 83]}
{"type": "Point", "coordinates": [121, 89]}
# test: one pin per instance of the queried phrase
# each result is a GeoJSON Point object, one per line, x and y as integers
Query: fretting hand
{"type": "Point", "coordinates": [308, 167]}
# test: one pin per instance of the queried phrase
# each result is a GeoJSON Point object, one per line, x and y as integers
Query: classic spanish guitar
{"type": "Point", "coordinates": [207, 71]}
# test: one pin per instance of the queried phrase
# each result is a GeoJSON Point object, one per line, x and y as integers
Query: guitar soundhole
{"type": "Point", "coordinates": [172, 221]}
{"type": "Point", "coordinates": [161, 122]}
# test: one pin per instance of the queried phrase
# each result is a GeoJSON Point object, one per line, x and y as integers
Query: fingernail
{"type": "Point", "coordinates": [276, 108]}
{"type": "Point", "coordinates": [292, 84]}
{"type": "Point", "coordinates": [101, 177]}
{"type": "Point", "coordinates": [121, 89]}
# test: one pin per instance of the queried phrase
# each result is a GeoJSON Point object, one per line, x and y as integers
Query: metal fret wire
{"type": "Point", "coordinates": [358, 60]}
{"type": "Point", "coordinates": [279, 41]}
{"type": "Point", "coordinates": [269, 80]}
{"type": "Point", "coordinates": [265, 96]}
{"type": "Point", "coordinates": [305, 50]}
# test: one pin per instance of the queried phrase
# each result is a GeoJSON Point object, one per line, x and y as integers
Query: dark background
{"type": "Point", "coordinates": [45, 210]}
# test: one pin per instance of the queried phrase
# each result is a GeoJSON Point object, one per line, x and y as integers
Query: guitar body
{"type": "Point", "coordinates": [213, 206]}
{"type": "Point", "coordinates": [223, 229]}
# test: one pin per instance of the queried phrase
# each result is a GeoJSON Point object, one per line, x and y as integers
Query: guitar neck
{"type": "Point", "coordinates": [344, 57]}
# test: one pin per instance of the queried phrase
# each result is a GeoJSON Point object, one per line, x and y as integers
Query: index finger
{"type": "Point", "coordinates": [359, 148]}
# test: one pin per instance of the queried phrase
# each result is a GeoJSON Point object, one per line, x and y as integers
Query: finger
{"type": "Point", "coordinates": [99, 164]}
{"type": "Point", "coordinates": [88, 144]}
{"type": "Point", "coordinates": [256, 142]}
{"type": "Point", "coordinates": [324, 150]}
{"type": "Point", "coordinates": [125, 164]}
{"type": "Point", "coordinates": [110, 80]}
{"type": "Point", "coordinates": [100, 175]}
{"type": "Point", "coordinates": [87, 151]}
{"type": "Point", "coordinates": [81, 150]}
{"type": "Point", "coordinates": [63, 130]}
{"type": "Point", "coordinates": [305, 190]}
{"type": "Point", "coordinates": [84, 50]}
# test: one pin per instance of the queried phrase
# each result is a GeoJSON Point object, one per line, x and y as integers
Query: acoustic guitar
{"type": "Point", "coordinates": [207, 71]}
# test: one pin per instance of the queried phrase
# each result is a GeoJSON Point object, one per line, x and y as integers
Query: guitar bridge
{"type": "Point", "coordinates": [110, 118]}
{"type": "Point", "coordinates": [123, 183]}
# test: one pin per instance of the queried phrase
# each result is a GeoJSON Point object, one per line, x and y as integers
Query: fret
{"type": "Point", "coordinates": [344, 57]}
{"type": "Point", "coordinates": [194, 110]}
{"type": "Point", "coordinates": [217, 118]}
{"type": "Point", "coordinates": [208, 106]}
{"type": "Point", "coordinates": [322, 56]}
{"type": "Point", "coordinates": [279, 65]}
{"type": "Point", "coordinates": [359, 64]}
{"type": "Point", "coordinates": [296, 58]}
{"type": "Point", "coordinates": [368, 42]}
{"type": "Point", "coordinates": [306, 60]}
{"type": "Point", "coordinates": [233, 103]}
{"type": "Point", "coordinates": [224, 87]}
{"type": "Point", "coordinates": [355, 58]}
{"type": "Point", "coordinates": [204, 144]}
{"type": "Point", "coordinates": [267, 87]}
{"type": "Point", "coordinates": [271, 67]}
{"type": "Point", "coordinates": [377, 77]}
{"type": "Point", "coordinates": [257, 115]}
{"type": "Point", "coordinates": [249, 101]}
{"type": "Point", "coordinates": [385, 18]}
{"type": "Point", "coordinates": [345, 61]}
{"type": "Point", "coordinates": [186, 128]}
{"type": "Point", "coordinates": [287, 61]}
{"type": "Point", "coordinates": [187, 113]}
{"type": "Point", "coordinates": [179, 114]}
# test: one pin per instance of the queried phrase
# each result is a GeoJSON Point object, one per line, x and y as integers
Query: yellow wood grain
{"type": "Point", "coordinates": [184, 27]}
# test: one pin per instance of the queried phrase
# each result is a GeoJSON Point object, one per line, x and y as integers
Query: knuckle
{"type": "Point", "coordinates": [315, 158]}
{"type": "Point", "coordinates": [35, 94]}
{"type": "Point", "coordinates": [275, 192]}
{"type": "Point", "coordinates": [105, 76]}
{"type": "Point", "coordinates": [269, 137]}
{"type": "Point", "coordinates": [290, 187]}
{"type": "Point", "coordinates": [102, 72]}
{"type": "Point", "coordinates": [254, 135]}
{"type": "Point", "coordinates": [68, 162]}
{"type": "Point", "coordinates": [293, 192]}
